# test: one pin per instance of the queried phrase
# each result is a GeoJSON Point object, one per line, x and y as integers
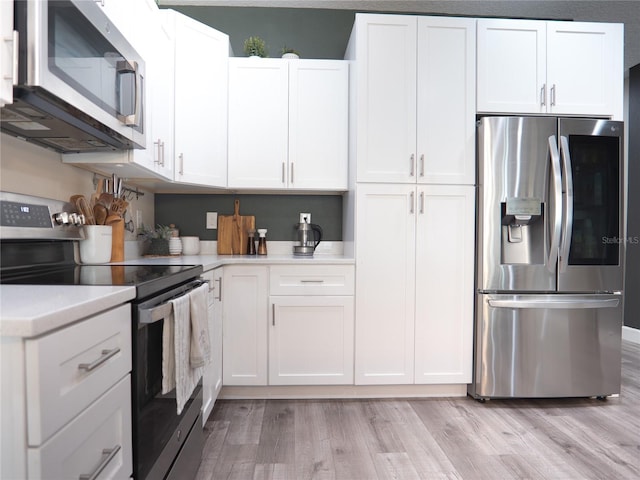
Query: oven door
{"type": "Point", "coordinates": [70, 49]}
{"type": "Point", "coordinates": [159, 433]}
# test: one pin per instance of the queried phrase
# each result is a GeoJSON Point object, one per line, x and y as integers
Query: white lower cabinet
{"type": "Point", "coordinates": [311, 341]}
{"type": "Point", "coordinates": [66, 401]}
{"type": "Point", "coordinates": [212, 375]}
{"type": "Point", "coordinates": [414, 284]}
{"type": "Point", "coordinates": [244, 318]}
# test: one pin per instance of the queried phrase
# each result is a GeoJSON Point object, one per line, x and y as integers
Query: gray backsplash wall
{"type": "Point", "coordinates": [277, 213]}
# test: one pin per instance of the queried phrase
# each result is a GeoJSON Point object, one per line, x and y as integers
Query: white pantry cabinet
{"type": "Point", "coordinates": [244, 320]}
{"type": "Point", "coordinates": [564, 68]}
{"type": "Point", "coordinates": [414, 284]}
{"type": "Point", "coordinates": [415, 98]}
{"type": "Point", "coordinates": [154, 44]}
{"type": "Point", "coordinates": [200, 101]}
{"type": "Point", "coordinates": [311, 325]}
{"type": "Point", "coordinates": [212, 375]}
{"type": "Point", "coordinates": [288, 124]}
{"type": "Point", "coordinates": [7, 45]}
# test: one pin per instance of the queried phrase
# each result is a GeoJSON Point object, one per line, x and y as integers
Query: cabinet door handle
{"type": "Point", "coordinates": [107, 456]}
{"type": "Point", "coordinates": [12, 42]}
{"type": "Point", "coordinates": [421, 202]}
{"type": "Point", "coordinates": [311, 281]}
{"type": "Point", "coordinates": [162, 150]}
{"type": "Point", "coordinates": [543, 95]}
{"type": "Point", "coordinates": [181, 158]}
{"type": "Point", "coordinates": [553, 95]}
{"type": "Point", "coordinates": [219, 280]}
{"type": "Point", "coordinates": [273, 314]}
{"type": "Point", "coordinates": [291, 179]}
{"type": "Point", "coordinates": [412, 198]}
{"type": "Point", "coordinates": [412, 166]}
{"type": "Point", "coordinates": [158, 160]}
{"type": "Point", "coordinates": [283, 172]}
{"type": "Point", "coordinates": [106, 355]}
{"type": "Point", "coordinates": [422, 165]}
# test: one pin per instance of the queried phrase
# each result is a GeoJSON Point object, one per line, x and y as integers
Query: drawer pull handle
{"type": "Point", "coordinates": [311, 281]}
{"type": "Point", "coordinates": [107, 456]}
{"type": "Point", "coordinates": [106, 355]}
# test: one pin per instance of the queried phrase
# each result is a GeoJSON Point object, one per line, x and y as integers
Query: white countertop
{"type": "Point", "coordinates": [31, 310]}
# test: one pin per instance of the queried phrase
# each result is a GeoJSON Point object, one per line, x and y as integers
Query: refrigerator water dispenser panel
{"type": "Point", "coordinates": [522, 231]}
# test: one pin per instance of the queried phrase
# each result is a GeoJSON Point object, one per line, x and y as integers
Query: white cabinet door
{"type": "Point", "coordinates": [245, 317]}
{"type": "Point", "coordinates": [386, 98]}
{"type": "Point", "coordinates": [444, 284]}
{"type": "Point", "coordinates": [311, 340]}
{"type": "Point", "coordinates": [201, 63]}
{"type": "Point", "coordinates": [318, 129]}
{"type": "Point", "coordinates": [585, 68]}
{"type": "Point", "coordinates": [210, 369]}
{"type": "Point", "coordinates": [216, 346]}
{"type": "Point", "coordinates": [258, 123]}
{"type": "Point", "coordinates": [7, 46]}
{"type": "Point", "coordinates": [511, 66]}
{"type": "Point", "coordinates": [385, 283]}
{"type": "Point", "coordinates": [446, 100]}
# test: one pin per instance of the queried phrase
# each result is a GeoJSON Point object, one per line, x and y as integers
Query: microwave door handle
{"type": "Point", "coordinates": [556, 181]}
{"type": "Point", "coordinates": [567, 203]}
{"type": "Point", "coordinates": [124, 67]}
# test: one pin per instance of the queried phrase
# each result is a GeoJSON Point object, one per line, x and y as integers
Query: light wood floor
{"type": "Point", "coordinates": [452, 438]}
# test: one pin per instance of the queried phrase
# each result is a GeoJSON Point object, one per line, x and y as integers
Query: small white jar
{"type": "Point", "coordinates": [175, 246]}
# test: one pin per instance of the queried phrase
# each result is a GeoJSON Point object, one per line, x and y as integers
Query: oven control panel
{"type": "Point", "coordinates": [30, 217]}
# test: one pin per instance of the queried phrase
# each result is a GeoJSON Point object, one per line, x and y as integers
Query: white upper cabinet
{"type": "Point", "coordinates": [7, 45]}
{"type": "Point", "coordinates": [288, 124]}
{"type": "Point", "coordinates": [201, 65]}
{"type": "Point", "coordinates": [415, 99]}
{"type": "Point", "coordinates": [565, 68]}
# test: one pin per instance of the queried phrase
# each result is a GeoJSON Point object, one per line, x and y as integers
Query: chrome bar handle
{"type": "Point", "coordinates": [162, 149]}
{"type": "Point", "coordinates": [422, 165]}
{"type": "Point", "coordinates": [553, 95]}
{"type": "Point", "coordinates": [283, 172]}
{"type": "Point", "coordinates": [543, 95]}
{"type": "Point", "coordinates": [219, 280]}
{"type": "Point", "coordinates": [124, 66]}
{"type": "Point", "coordinates": [564, 304]}
{"type": "Point", "coordinates": [105, 355]}
{"type": "Point", "coordinates": [181, 169]}
{"type": "Point", "coordinates": [273, 314]}
{"type": "Point", "coordinates": [311, 281]}
{"type": "Point", "coordinates": [158, 160]}
{"type": "Point", "coordinates": [554, 157]}
{"type": "Point", "coordinates": [412, 160]}
{"type": "Point", "coordinates": [107, 455]}
{"type": "Point", "coordinates": [291, 178]}
{"type": "Point", "coordinates": [567, 203]}
{"type": "Point", "coordinates": [421, 203]}
{"type": "Point", "coordinates": [412, 199]}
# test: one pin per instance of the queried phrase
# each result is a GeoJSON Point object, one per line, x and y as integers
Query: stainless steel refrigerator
{"type": "Point", "coordinates": [550, 258]}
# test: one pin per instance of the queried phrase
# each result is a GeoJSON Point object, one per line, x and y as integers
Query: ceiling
{"type": "Point", "coordinates": [614, 11]}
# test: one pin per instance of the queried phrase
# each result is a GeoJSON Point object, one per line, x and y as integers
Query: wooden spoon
{"type": "Point", "coordinates": [100, 213]}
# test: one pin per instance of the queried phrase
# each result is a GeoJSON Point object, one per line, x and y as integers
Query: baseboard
{"type": "Point", "coordinates": [631, 334]}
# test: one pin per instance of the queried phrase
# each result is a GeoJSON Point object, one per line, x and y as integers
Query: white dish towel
{"type": "Point", "coordinates": [200, 345]}
{"type": "Point", "coordinates": [176, 339]}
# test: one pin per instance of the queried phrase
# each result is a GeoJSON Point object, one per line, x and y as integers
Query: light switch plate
{"type": "Point", "coordinates": [212, 220]}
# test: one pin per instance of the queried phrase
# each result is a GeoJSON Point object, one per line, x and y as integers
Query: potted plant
{"type": "Point", "coordinates": [288, 52]}
{"type": "Point", "coordinates": [255, 47]}
{"type": "Point", "coordinates": [156, 239]}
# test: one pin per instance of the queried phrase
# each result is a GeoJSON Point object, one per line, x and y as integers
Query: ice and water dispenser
{"type": "Point", "coordinates": [523, 233]}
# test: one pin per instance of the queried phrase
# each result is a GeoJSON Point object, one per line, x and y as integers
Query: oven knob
{"type": "Point", "coordinates": [61, 218]}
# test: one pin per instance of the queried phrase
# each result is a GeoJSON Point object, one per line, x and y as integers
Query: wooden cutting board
{"type": "Point", "coordinates": [232, 232]}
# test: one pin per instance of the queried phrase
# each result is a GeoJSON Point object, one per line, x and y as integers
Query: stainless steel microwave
{"type": "Point", "coordinates": [80, 84]}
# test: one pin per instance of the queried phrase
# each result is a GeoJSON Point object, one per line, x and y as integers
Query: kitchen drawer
{"type": "Point", "coordinates": [69, 369]}
{"type": "Point", "coordinates": [311, 280]}
{"type": "Point", "coordinates": [99, 437]}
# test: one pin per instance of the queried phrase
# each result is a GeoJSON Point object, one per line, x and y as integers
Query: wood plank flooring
{"type": "Point", "coordinates": [443, 438]}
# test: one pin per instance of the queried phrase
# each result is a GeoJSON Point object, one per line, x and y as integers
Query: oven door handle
{"type": "Point", "coordinates": [152, 315]}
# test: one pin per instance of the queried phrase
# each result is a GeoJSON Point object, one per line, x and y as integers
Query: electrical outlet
{"type": "Point", "coordinates": [212, 220]}
{"type": "Point", "coordinates": [305, 215]}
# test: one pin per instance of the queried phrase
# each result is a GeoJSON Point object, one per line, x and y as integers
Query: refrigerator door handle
{"type": "Point", "coordinates": [554, 156]}
{"type": "Point", "coordinates": [565, 304]}
{"type": "Point", "coordinates": [567, 203]}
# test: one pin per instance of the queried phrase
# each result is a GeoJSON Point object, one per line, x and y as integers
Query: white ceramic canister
{"type": "Point", "coordinates": [190, 245]}
{"type": "Point", "coordinates": [175, 246]}
{"type": "Point", "coordinates": [96, 246]}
